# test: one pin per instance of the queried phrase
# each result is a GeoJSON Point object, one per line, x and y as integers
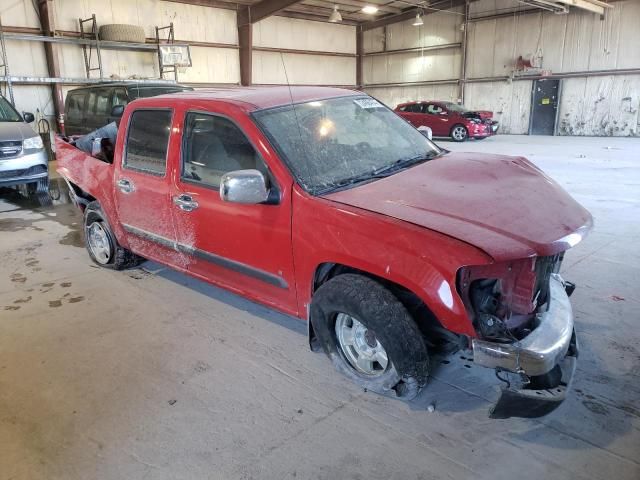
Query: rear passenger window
{"type": "Point", "coordinates": [120, 97]}
{"type": "Point", "coordinates": [103, 104]}
{"type": "Point", "coordinates": [76, 105]}
{"type": "Point", "coordinates": [148, 140]}
{"type": "Point", "coordinates": [214, 146]}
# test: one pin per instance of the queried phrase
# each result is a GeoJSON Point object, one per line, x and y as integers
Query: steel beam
{"type": "Point", "coordinates": [359, 57]}
{"type": "Point", "coordinates": [245, 41]}
{"type": "Point", "coordinates": [33, 80]}
{"type": "Point", "coordinates": [45, 11]}
{"type": "Point", "coordinates": [266, 8]}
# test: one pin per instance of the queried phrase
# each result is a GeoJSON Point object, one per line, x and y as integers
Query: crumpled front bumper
{"type": "Point", "coordinates": [550, 350]}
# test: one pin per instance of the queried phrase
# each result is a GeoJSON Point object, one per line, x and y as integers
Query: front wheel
{"type": "Point", "coordinates": [101, 243]}
{"type": "Point", "coordinates": [370, 336]}
{"type": "Point", "coordinates": [459, 133]}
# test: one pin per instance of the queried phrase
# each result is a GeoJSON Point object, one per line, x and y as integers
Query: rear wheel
{"type": "Point", "coordinates": [370, 336]}
{"type": "Point", "coordinates": [459, 133]}
{"type": "Point", "coordinates": [101, 243]}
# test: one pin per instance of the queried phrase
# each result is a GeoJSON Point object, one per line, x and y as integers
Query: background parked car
{"type": "Point", "coordinates": [448, 119]}
{"type": "Point", "coordinates": [88, 108]}
{"type": "Point", "coordinates": [23, 159]}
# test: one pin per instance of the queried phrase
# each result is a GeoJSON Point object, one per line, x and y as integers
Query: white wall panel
{"type": "Point", "coordinates": [212, 65]}
{"type": "Point", "coordinates": [510, 102]}
{"type": "Point", "coordinates": [373, 40]}
{"type": "Point", "coordinates": [438, 29]}
{"type": "Point", "coordinates": [34, 98]}
{"type": "Point", "coordinates": [412, 66]}
{"type": "Point", "coordinates": [19, 13]}
{"type": "Point", "coordinates": [26, 58]}
{"type": "Point", "coordinates": [606, 105]}
{"type": "Point", "coordinates": [191, 22]}
{"type": "Point", "coordinates": [303, 69]}
{"type": "Point", "coordinates": [392, 96]}
{"type": "Point", "coordinates": [281, 32]}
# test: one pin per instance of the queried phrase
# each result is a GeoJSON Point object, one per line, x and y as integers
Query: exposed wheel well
{"type": "Point", "coordinates": [81, 197]}
{"type": "Point", "coordinates": [436, 336]}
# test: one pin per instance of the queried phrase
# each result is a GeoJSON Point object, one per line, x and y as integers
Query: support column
{"type": "Point", "coordinates": [245, 42]}
{"type": "Point", "coordinates": [45, 9]}
{"type": "Point", "coordinates": [359, 56]}
{"type": "Point", "coordinates": [463, 63]}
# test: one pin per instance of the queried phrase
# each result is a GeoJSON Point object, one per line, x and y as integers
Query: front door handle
{"type": "Point", "coordinates": [125, 186]}
{"type": "Point", "coordinates": [185, 202]}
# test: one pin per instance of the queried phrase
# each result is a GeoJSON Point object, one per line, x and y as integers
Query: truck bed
{"type": "Point", "coordinates": [86, 175]}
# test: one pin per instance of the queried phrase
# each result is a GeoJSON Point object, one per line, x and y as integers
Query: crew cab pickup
{"type": "Point", "coordinates": [324, 204]}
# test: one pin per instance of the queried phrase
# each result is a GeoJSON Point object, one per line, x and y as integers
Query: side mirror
{"type": "Point", "coordinates": [243, 186]}
{"type": "Point", "coordinates": [28, 117]}
{"type": "Point", "coordinates": [117, 111]}
{"type": "Point", "coordinates": [425, 131]}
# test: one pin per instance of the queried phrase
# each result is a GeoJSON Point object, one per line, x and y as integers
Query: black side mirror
{"type": "Point", "coordinates": [117, 111]}
{"type": "Point", "coordinates": [28, 117]}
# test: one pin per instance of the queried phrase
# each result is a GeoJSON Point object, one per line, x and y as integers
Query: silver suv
{"type": "Point", "coordinates": [23, 160]}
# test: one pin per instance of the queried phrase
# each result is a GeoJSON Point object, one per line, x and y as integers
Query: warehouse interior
{"type": "Point", "coordinates": [152, 373]}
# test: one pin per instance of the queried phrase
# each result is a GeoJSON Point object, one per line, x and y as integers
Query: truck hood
{"type": "Point", "coordinates": [15, 131]}
{"type": "Point", "coordinates": [503, 205]}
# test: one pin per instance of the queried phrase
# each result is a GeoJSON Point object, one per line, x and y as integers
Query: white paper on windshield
{"type": "Point", "coordinates": [367, 103]}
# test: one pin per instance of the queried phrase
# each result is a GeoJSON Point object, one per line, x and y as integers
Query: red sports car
{"type": "Point", "coordinates": [448, 119]}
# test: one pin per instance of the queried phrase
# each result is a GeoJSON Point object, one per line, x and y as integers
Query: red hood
{"type": "Point", "coordinates": [503, 205]}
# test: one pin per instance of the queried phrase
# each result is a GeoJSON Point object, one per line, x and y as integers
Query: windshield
{"type": "Point", "coordinates": [456, 108]}
{"type": "Point", "coordinates": [338, 142]}
{"type": "Point", "coordinates": [7, 112]}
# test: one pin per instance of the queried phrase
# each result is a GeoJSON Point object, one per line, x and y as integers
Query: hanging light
{"type": "Point", "coordinates": [335, 16]}
{"type": "Point", "coordinates": [418, 21]}
{"type": "Point", "coordinates": [369, 9]}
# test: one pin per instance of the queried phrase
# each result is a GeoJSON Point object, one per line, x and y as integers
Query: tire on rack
{"type": "Point", "coordinates": [459, 133]}
{"type": "Point", "coordinates": [121, 32]}
{"type": "Point", "coordinates": [101, 243]}
{"type": "Point", "coordinates": [360, 324]}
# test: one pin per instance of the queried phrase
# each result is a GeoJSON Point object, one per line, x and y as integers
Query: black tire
{"type": "Point", "coordinates": [375, 307]}
{"type": "Point", "coordinates": [35, 188]}
{"type": "Point", "coordinates": [119, 258]}
{"type": "Point", "coordinates": [464, 134]}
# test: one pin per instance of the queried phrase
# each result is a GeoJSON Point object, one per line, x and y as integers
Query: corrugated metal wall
{"type": "Point", "coordinates": [191, 23]}
{"type": "Point", "coordinates": [573, 43]}
{"type": "Point", "coordinates": [291, 33]}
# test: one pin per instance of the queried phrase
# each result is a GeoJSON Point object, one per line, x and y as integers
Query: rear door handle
{"type": "Point", "coordinates": [185, 202]}
{"type": "Point", "coordinates": [125, 186]}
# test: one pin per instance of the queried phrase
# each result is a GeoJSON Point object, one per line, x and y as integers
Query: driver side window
{"type": "Point", "coordinates": [433, 109]}
{"type": "Point", "coordinates": [213, 146]}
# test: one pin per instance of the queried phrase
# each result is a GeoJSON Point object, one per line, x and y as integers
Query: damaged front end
{"type": "Point", "coordinates": [524, 321]}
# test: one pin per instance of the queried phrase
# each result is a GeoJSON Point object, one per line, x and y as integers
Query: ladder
{"type": "Point", "coordinates": [5, 66]}
{"type": "Point", "coordinates": [170, 39]}
{"type": "Point", "coordinates": [90, 34]}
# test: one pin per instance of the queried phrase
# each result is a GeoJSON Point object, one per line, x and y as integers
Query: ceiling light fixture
{"type": "Point", "coordinates": [369, 9]}
{"type": "Point", "coordinates": [418, 21]}
{"type": "Point", "coordinates": [335, 16]}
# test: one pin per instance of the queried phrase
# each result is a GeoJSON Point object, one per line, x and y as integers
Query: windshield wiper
{"type": "Point", "coordinates": [387, 170]}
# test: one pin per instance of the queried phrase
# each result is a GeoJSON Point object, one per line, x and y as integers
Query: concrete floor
{"type": "Point", "coordinates": [150, 374]}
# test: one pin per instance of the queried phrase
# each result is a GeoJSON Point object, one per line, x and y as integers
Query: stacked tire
{"type": "Point", "coordinates": [121, 32]}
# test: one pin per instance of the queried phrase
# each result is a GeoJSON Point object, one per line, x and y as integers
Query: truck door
{"type": "Point", "coordinates": [142, 185]}
{"type": "Point", "coordinates": [246, 248]}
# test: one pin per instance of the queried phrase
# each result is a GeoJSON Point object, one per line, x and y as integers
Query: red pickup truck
{"type": "Point", "coordinates": [324, 204]}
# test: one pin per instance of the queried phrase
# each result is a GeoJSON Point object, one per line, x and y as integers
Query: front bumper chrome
{"type": "Point", "coordinates": [543, 348]}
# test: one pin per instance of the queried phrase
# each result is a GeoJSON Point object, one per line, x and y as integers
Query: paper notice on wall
{"type": "Point", "coordinates": [546, 101]}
